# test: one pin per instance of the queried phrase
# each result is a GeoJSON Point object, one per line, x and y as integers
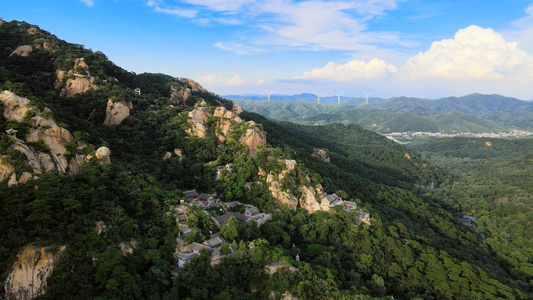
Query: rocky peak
{"type": "Point", "coordinates": [116, 112]}
{"type": "Point", "coordinates": [193, 85]}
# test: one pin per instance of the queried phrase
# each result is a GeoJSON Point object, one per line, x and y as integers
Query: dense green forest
{"type": "Point", "coordinates": [414, 247]}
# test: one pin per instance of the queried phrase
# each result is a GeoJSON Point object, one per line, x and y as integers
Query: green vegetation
{"type": "Point", "coordinates": [414, 246]}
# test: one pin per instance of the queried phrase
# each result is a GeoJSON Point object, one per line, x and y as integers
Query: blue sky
{"type": "Point", "coordinates": [385, 47]}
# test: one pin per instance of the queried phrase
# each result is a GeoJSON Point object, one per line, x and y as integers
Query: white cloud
{"type": "Point", "coordinates": [176, 11]}
{"type": "Point", "coordinates": [221, 5]}
{"type": "Point", "coordinates": [324, 25]}
{"type": "Point", "coordinates": [474, 53]}
{"type": "Point", "coordinates": [238, 48]}
{"type": "Point", "coordinates": [526, 21]}
{"type": "Point", "coordinates": [309, 25]}
{"type": "Point", "coordinates": [353, 70]}
{"type": "Point", "coordinates": [88, 2]}
{"type": "Point", "coordinates": [213, 81]}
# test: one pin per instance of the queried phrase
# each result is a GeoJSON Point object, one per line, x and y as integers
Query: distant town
{"type": "Point", "coordinates": [402, 137]}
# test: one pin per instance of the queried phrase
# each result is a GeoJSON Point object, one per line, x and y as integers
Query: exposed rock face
{"type": "Point", "coordinates": [253, 138]}
{"type": "Point", "coordinates": [198, 117]}
{"type": "Point", "coordinates": [281, 196]}
{"type": "Point", "coordinates": [6, 169]}
{"type": "Point", "coordinates": [100, 227]}
{"type": "Point", "coordinates": [194, 86]}
{"type": "Point", "coordinates": [179, 154]}
{"type": "Point", "coordinates": [33, 30]}
{"type": "Point", "coordinates": [116, 112]}
{"type": "Point", "coordinates": [237, 109]}
{"type": "Point", "coordinates": [322, 154]}
{"type": "Point", "coordinates": [78, 80]}
{"type": "Point", "coordinates": [180, 94]}
{"type": "Point", "coordinates": [104, 155]}
{"type": "Point", "coordinates": [27, 279]}
{"type": "Point", "coordinates": [127, 248]}
{"type": "Point", "coordinates": [42, 129]}
{"type": "Point", "coordinates": [226, 119]}
{"type": "Point", "coordinates": [15, 107]}
{"type": "Point", "coordinates": [23, 50]}
{"type": "Point", "coordinates": [307, 200]}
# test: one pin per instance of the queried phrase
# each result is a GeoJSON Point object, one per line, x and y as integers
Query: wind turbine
{"type": "Point", "coordinates": [268, 93]}
{"type": "Point", "coordinates": [339, 98]}
{"type": "Point", "coordinates": [367, 94]}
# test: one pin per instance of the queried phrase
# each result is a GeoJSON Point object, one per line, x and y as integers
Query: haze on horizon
{"type": "Point", "coordinates": [388, 48]}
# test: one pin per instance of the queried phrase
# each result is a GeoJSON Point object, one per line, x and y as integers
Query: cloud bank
{"type": "Point", "coordinates": [473, 54]}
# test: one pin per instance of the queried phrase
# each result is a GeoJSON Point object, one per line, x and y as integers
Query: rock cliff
{"type": "Point", "coordinates": [28, 275]}
{"type": "Point", "coordinates": [116, 112]}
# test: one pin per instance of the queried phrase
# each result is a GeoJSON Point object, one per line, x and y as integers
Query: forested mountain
{"type": "Point", "coordinates": [471, 113]}
{"type": "Point", "coordinates": [98, 189]}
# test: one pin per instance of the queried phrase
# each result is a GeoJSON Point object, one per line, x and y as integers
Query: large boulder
{"type": "Point", "coordinates": [103, 154]}
{"type": "Point", "coordinates": [28, 276]}
{"type": "Point", "coordinates": [116, 112]}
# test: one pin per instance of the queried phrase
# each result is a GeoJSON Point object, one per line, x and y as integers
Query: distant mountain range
{"type": "Point", "coordinates": [470, 113]}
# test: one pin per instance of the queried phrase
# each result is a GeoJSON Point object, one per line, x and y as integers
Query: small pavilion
{"type": "Point", "coordinates": [11, 132]}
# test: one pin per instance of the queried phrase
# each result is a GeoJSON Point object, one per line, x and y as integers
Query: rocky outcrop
{"type": "Point", "coordinates": [180, 95]}
{"type": "Point", "coordinates": [198, 117]}
{"type": "Point", "coordinates": [78, 80]}
{"type": "Point", "coordinates": [15, 107]}
{"type": "Point", "coordinates": [253, 137]}
{"type": "Point", "coordinates": [283, 197]}
{"type": "Point", "coordinates": [28, 275]}
{"type": "Point", "coordinates": [6, 169]}
{"type": "Point", "coordinates": [104, 155]}
{"type": "Point", "coordinates": [23, 50]}
{"type": "Point", "coordinates": [193, 85]}
{"type": "Point", "coordinates": [179, 154]}
{"type": "Point", "coordinates": [237, 109]}
{"type": "Point", "coordinates": [116, 112]}
{"type": "Point", "coordinates": [307, 199]}
{"type": "Point", "coordinates": [226, 119]}
{"type": "Point", "coordinates": [127, 248]}
{"type": "Point", "coordinates": [43, 129]}
{"type": "Point", "coordinates": [322, 154]}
